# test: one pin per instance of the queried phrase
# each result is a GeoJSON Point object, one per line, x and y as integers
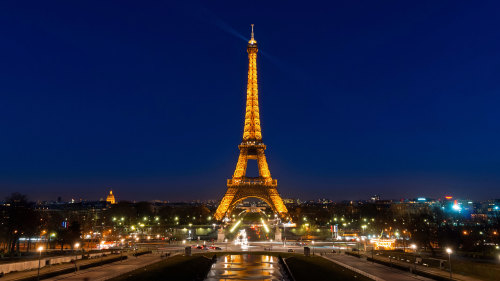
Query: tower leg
{"type": "Point", "coordinates": [225, 203]}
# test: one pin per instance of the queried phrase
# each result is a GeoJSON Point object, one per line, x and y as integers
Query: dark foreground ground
{"type": "Point", "coordinates": [196, 267]}
{"type": "Point", "coordinates": [318, 269]}
{"type": "Point", "coordinates": [174, 268]}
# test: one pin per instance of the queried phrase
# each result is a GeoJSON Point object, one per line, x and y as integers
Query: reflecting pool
{"type": "Point", "coordinates": [245, 267]}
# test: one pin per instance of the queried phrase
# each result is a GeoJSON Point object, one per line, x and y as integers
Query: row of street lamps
{"type": "Point", "coordinates": [449, 251]}
{"type": "Point", "coordinates": [40, 250]}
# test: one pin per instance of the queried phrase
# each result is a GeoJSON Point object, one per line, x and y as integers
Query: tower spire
{"type": "Point", "coordinates": [251, 130]}
{"type": "Point", "coordinates": [252, 41]}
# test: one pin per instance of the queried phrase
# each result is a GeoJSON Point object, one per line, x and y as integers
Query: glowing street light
{"type": "Point", "coordinates": [313, 246]}
{"type": "Point", "coordinates": [414, 248]}
{"type": "Point", "coordinates": [121, 251]}
{"type": "Point", "coordinates": [39, 249]}
{"type": "Point", "coordinates": [76, 257]}
{"type": "Point", "coordinates": [449, 251]}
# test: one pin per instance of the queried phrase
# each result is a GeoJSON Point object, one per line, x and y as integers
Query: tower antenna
{"type": "Point", "coordinates": [252, 31]}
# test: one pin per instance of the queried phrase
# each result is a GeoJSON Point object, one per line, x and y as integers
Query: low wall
{"type": "Point", "coordinates": [33, 264]}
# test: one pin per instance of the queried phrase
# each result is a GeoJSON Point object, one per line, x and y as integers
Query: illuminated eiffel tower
{"type": "Point", "coordinates": [240, 186]}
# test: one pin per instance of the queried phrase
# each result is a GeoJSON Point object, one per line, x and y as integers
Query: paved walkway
{"type": "Point", "coordinates": [102, 272]}
{"type": "Point", "coordinates": [432, 270]}
{"type": "Point", "coordinates": [51, 268]}
{"type": "Point", "coordinates": [380, 272]}
{"type": "Point", "coordinates": [105, 272]}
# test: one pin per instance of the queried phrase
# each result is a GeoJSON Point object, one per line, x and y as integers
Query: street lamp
{"type": "Point", "coordinates": [449, 251]}
{"type": "Point", "coordinates": [40, 249]}
{"type": "Point", "coordinates": [225, 240]}
{"type": "Point", "coordinates": [284, 233]}
{"type": "Point", "coordinates": [313, 246]}
{"type": "Point", "coordinates": [271, 245]}
{"type": "Point", "coordinates": [76, 257]}
{"type": "Point", "coordinates": [414, 247]}
{"type": "Point", "coordinates": [121, 252]}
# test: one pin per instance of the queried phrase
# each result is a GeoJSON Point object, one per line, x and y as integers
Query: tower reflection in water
{"type": "Point", "coordinates": [245, 267]}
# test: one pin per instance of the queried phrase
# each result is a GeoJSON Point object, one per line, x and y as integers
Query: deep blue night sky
{"type": "Point", "coordinates": [147, 97]}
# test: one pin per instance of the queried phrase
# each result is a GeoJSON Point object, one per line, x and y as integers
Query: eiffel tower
{"type": "Point", "coordinates": [240, 187]}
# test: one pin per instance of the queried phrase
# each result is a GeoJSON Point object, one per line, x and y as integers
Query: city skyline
{"type": "Point", "coordinates": [126, 99]}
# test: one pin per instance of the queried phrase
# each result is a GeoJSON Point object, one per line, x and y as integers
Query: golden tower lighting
{"type": "Point", "coordinates": [240, 187]}
{"type": "Point", "coordinates": [111, 198]}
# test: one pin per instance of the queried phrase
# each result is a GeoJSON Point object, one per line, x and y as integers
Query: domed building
{"type": "Point", "coordinates": [111, 198]}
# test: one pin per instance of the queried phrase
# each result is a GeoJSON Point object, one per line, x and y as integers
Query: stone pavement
{"type": "Point", "coordinates": [434, 271]}
{"type": "Point", "coordinates": [52, 268]}
{"type": "Point", "coordinates": [375, 271]}
{"type": "Point", "coordinates": [102, 272]}
{"type": "Point", "coordinates": [105, 272]}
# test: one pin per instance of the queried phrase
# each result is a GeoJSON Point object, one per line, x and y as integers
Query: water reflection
{"type": "Point", "coordinates": [245, 267]}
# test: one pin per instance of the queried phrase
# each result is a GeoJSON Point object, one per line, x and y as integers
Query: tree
{"type": "Point", "coordinates": [69, 235]}
{"type": "Point", "coordinates": [20, 219]}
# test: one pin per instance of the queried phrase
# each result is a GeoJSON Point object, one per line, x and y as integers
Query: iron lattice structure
{"type": "Point", "coordinates": [240, 187]}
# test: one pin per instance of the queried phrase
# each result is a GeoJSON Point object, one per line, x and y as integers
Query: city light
{"type": "Point", "coordinates": [264, 224]}
{"type": "Point", "coordinates": [235, 226]}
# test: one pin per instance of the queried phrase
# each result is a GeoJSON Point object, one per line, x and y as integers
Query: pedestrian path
{"type": "Point", "coordinates": [375, 271]}
{"type": "Point", "coordinates": [52, 268]}
{"type": "Point", "coordinates": [431, 270]}
{"type": "Point", "coordinates": [105, 272]}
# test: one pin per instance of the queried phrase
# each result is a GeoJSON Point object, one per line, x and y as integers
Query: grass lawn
{"type": "Point", "coordinates": [175, 268]}
{"type": "Point", "coordinates": [483, 270]}
{"type": "Point", "coordinates": [318, 269]}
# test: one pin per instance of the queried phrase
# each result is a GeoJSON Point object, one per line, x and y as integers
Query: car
{"type": "Point", "coordinates": [218, 248]}
{"type": "Point", "coordinates": [290, 250]}
{"type": "Point", "coordinates": [199, 247]}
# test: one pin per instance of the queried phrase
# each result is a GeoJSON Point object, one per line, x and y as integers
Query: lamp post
{"type": "Point", "coordinates": [225, 240]}
{"type": "Point", "coordinates": [313, 246]}
{"type": "Point", "coordinates": [121, 251]}
{"type": "Point", "coordinates": [449, 251]}
{"type": "Point", "coordinates": [414, 247]}
{"type": "Point", "coordinates": [136, 247]}
{"type": "Point", "coordinates": [284, 237]}
{"type": "Point", "coordinates": [40, 249]}
{"type": "Point", "coordinates": [76, 257]}
{"type": "Point", "coordinates": [271, 248]}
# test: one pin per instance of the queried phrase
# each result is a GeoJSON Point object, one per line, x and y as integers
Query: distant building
{"type": "Point", "coordinates": [111, 197]}
{"type": "Point", "coordinates": [375, 198]}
